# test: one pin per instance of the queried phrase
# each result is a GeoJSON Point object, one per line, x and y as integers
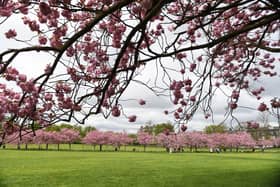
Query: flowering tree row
{"type": "Point", "coordinates": [107, 138]}
{"type": "Point", "coordinates": [224, 141]}
{"type": "Point", "coordinates": [65, 136]}
{"type": "Point", "coordinates": [69, 136]}
{"type": "Point", "coordinates": [170, 141]}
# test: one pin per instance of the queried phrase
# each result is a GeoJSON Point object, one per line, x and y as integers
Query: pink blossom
{"type": "Point", "coordinates": [45, 8]}
{"type": "Point", "coordinates": [262, 107]}
{"type": "Point", "coordinates": [142, 102]}
{"type": "Point", "coordinates": [11, 34]}
{"type": "Point", "coordinates": [132, 118]}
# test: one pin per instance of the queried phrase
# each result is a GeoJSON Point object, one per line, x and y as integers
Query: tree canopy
{"type": "Point", "coordinates": [221, 128]}
{"type": "Point", "coordinates": [98, 47]}
{"type": "Point", "coordinates": [155, 129]}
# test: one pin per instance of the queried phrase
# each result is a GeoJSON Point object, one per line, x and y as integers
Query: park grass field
{"type": "Point", "coordinates": [79, 168]}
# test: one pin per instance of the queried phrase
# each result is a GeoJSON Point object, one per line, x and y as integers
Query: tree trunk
{"type": "Point", "coordinates": [69, 146]}
{"type": "Point", "coordinates": [26, 146]}
{"type": "Point", "coordinates": [58, 147]}
{"type": "Point", "coordinates": [100, 147]}
{"type": "Point", "coordinates": [47, 146]}
{"type": "Point", "coordinates": [18, 146]}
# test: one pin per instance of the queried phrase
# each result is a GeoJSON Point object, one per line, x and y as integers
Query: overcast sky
{"type": "Point", "coordinates": [31, 64]}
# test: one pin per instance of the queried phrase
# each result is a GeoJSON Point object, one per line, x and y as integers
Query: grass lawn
{"type": "Point", "coordinates": [65, 168]}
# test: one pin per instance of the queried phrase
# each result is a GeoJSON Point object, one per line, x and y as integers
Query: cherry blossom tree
{"type": "Point", "coordinates": [69, 136]}
{"type": "Point", "coordinates": [265, 143]}
{"type": "Point", "coordinates": [171, 142]}
{"type": "Point", "coordinates": [196, 140]}
{"type": "Point", "coordinates": [218, 140]}
{"type": "Point", "coordinates": [43, 137]}
{"type": "Point", "coordinates": [162, 140]}
{"type": "Point", "coordinates": [240, 139]}
{"type": "Point", "coordinates": [14, 140]}
{"type": "Point", "coordinates": [97, 138]}
{"type": "Point", "coordinates": [119, 139]}
{"type": "Point", "coordinates": [276, 142]}
{"type": "Point", "coordinates": [144, 138]}
{"type": "Point", "coordinates": [27, 139]}
{"type": "Point", "coordinates": [91, 138]}
{"type": "Point", "coordinates": [98, 47]}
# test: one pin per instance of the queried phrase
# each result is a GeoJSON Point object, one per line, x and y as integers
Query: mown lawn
{"type": "Point", "coordinates": [65, 168]}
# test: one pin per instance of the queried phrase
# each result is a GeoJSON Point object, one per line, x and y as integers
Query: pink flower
{"type": "Point", "coordinates": [192, 98]}
{"type": "Point", "coordinates": [42, 40]}
{"type": "Point", "coordinates": [48, 97]}
{"type": "Point", "coordinates": [192, 67]}
{"type": "Point", "coordinates": [132, 118]}
{"type": "Point", "coordinates": [233, 106]}
{"type": "Point", "coordinates": [11, 34]}
{"type": "Point", "coordinates": [22, 77]}
{"type": "Point", "coordinates": [142, 102]}
{"type": "Point", "coordinates": [45, 8]}
{"type": "Point", "coordinates": [116, 111]}
{"type": "Point", "coordinates": [262, 107]}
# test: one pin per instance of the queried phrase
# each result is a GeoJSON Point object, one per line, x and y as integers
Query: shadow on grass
{"type": "Point", "coordinates": [2, 184]}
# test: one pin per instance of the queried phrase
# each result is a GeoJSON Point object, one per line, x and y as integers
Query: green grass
{"type": "Point", "coordinates": [65, 168]}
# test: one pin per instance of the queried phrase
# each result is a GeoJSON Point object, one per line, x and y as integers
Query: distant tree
{"type": "Point", "coordinates": [97, 138]}
{"type": "Point", "coordinates": [133, 138]}
{"type": "Point", "coordinates": [69, 136]}
{"type": "Point", "coordinates": [157, 128]}
{"type": "Point", "coordinates": [196, 140]}
{"type": "Point", "coordinates": [163, 140]}
{"type": "Point", "coordinates": [27, 139]}
{"type": "Point", "coordinates": [275, 109]}
{"type": "Point", "coordinates": [54, 127]}
{"type": "Point", "coordinates": [263, 118]}
{"type": "Point", "coordinates": [91, 138]}
{"type": "Point", "coordinates": [144, 139]}
{"type": "Point", "coordinates": [44, 137]}
{"type": "Point", "coordinates": [58, 127]}
{"type": "Point", "coordinates": [160, 128]}
{"type": "Point", "coordinates": [86, 129]}
{"type": "Point", "coordinates": [265, 143]}
{"type": "Point", "coordinates": [276, 142]}
{"type": "Point", "coordinates": [119, 139]}
{"type": "Point", "coordinates": [171, 142]}
{"type": "Point", "coordinates": [148, 127]}
{"type": "Point", "coordinates": [221, 128]}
